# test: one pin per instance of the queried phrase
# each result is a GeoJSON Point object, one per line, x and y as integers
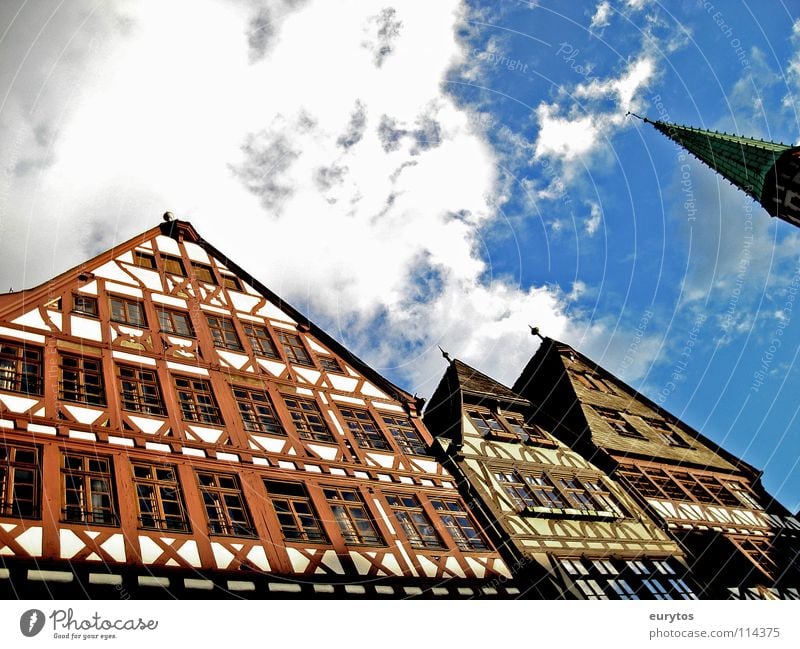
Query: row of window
{"type": "Point", "coordinates": [81, 381]}
{"type": "Point", "coordinates": [615, 579]}
{"type": "Point", "coordinates": [624, 428]}
{"type": "Point", "coordinates": [129, 311]}
{"type": "Point", "coordinates": [532, 490]}
{"type": "Point", "coordinates": [673, 484]}
{"type": "Point", "coordinates": [506, 427]}
{"type": "Point", "coordinates": [89, 496]}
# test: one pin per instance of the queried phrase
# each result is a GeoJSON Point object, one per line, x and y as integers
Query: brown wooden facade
{"type": "Point", "coordinates": [170, 427]}
{"type": "Point", "coordinates": [739, 542]}
{"type": "Point", "coordinates": [567, 530]}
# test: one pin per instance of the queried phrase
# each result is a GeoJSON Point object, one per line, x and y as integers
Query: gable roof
{"type": "Point", "coordinates": [475, 383]}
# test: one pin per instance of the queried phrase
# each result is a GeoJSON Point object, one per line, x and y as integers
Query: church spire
{"type": "Point", "coordinates": [767, 171]}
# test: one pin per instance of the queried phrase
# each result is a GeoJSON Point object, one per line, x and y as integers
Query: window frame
{"type": "Point", "coordinates": [352, 526]}
{"type": "Point", "coordinates": [290, 516]}
{"type": "Point", "coordinates": [87, 478]}
{"type": "Point", "coordinates": [457, 521]}
{"type": "Point", "coordinates": [231, 282]}
{"type": "Point", "coordinates": [166, 315]}
{"type": "Point", "coordinates": [128, 305]}
{"type": "Point", "coordinates": [139, 256]}
{"type": "Point", "coordinates": [256, 341]}
{"type": "Point", "coordinates": [157, 484]}
{"type": "Point", "coordinates": [10, 467]}
{"type": "Point", "coordinates": [358, 422]}
{"type": "Point", "coordinates": [663, 429]}
{"type": "Point", "coordinates": [292, 347]}
{"type": "Point", "coordinates": [199, 269]}
{"type": "Point", "coordinates": [330, 364]}
{"type": "Point", "coordinates": [213, 416]}
{"type": "Point", "coordinates": [399, 427]}
{"type": "Point", "coordinates": [168, 260]}
{"type": "Point", "coordinates": [80, 391]}
{"type": "Point", "coordinates": [15, 374]}
{"type": "Point", "coordinates": [248, 400]}
{"type": "Point", "coordinates": [220, 333]}
{"type": "Point", "coordinates": [308, 432]}
{"type": "Point", "coordinates": [618, 423]}
{"type": "Point", "coordinates": [225, 524]}
{"type": "Point", "coordinates": [141, 397]}
{"type": "Point", "coordinates": [89, 299]}
{"type": "Point", "coordinates": [414, 521]}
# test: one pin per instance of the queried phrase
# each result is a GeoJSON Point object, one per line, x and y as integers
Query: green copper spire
{"type": "Point", "coordinates": [767, 171]}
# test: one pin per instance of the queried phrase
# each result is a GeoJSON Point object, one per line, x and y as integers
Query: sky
{"type": "Point", "coordinates": [422, 174]}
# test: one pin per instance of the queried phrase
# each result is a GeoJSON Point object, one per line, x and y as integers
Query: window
{"type": "Point", "coordinates": [20, 368]}
{"type": "Point", "coordinates": [459, 524]}
{"type": "Point", "coordinates": [404, 434]}
{"type": "Point", "coordinates": [140, 390]}
{"type": "Point", "coordinates": [486, 423]}
{"type": "Point", "coordinates": [574, 492]}
{"type": "Point", "coordinates": [515, 489]}
{"type": "Point", "coordinates": [197, 400]}
{"type": "Point", "coordinates": [231, 282]}
{"type": "Point", "coordinates": [653, 483]}
{"type": "Point", "coordinates": [663, 429]}
{"type": "Point", "coordinates": [225, 507]}
{"type": "Point", "coordinates": [224, 333]}
{"type": "Point", "coordinates": [127, 311]}
{"type": "Point", "coordinates": [88, 489]}
{"type": "Point", "coordinates": [544, 491]}
{"type": "Point", "coordinates": [256, 411]}
{"type": "Point", "coordinates": [144, 260]}
{"type": "Point", "coordinates": [741, 492]}
{"type": "Point", "coordinates": [81, 380]}
{"type": "Point", "coordinates": [415, 522]}
{"type": "Point", "coordinates": [159, 498]}
{"type": "Point", "coordinates": [603, 497]}
{"type": "Point", "coordinates": [173, 265]}
{"type": "Point", "coordinates": [19, 481]}
{"type": "Point", "coordinates": [526, 432]}
{"type": "Point", "coordinates": [656, 588]}
{"type": "Point", "coordinates": [593, 382]}
{"type": "Point", "coordinates": [618, 423]}
{"type": "Point", "coordinates": [204, 273]}
{"type": "Point", "coordinates": [260, 340]}
{"type": "Point", "coordinates": [294, 349]}
{"type": "Point", "coordinates": [307, 420]}
{"type": "Point", "coordinates": [296, 514]}
{"type": "Point", "coordinates": [351, 516]}
{"type": "Point", "coordinates": [84, 304]}
{"type": "Point", "coordinates": [175, 322]}
{"type": "Point", "coordinates": [364, 429]}
{"type": "Point", "coordinates": [330, 363]}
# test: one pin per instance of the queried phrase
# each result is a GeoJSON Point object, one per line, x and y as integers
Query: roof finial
{"type": "Point", "coordinates": [535, 332]}
{"type": "Point", "coordinates": [445, 354]}
{"type": "Point", "coordinates": [168, 216]}
{"type": "Point", "coordinates": [644, 119]}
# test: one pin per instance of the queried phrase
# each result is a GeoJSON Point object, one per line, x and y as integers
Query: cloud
{"type": "Point", "coordinates": [596, 216]}
{"type": "Point", "coordinates": [792, 73]}
{"type": "Point", "coordinates": [355, 129]}
{"type": "Point", "coordinates": [388, 30]}
{"type": "Point", "coordinates": [601, 16]}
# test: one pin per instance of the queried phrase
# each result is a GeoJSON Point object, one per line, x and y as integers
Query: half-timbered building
{"type": "Point", "coordinates": [566, 529]}
{"type": "Point", "coordinates": [739, 542]}
{"type": "Point", "coordinates": [171, 427]}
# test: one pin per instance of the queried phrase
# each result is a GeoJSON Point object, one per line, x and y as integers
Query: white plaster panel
{"type": "Point", "coordinates": [168, 245]}
{"type": "Point", "coordinates": [21, 335]}
{"type": "Point", "coordinates": [222, 555]}
{"type": "Point", "coordinates": [132, 291]}
{"type": "Point", "coordinates": [150, 550]}
{"type": "Point", "coordinates": [428, 466]}
{"type": "Point", "coordinates": [372, 391]}
{"type": "Point", "coordinates": [236, 361]}
{"type": "Point", "coordinates": [387, 406]}
{"type": "Point", "coordinates": [55, 318]}
{"type": "Point", "coordinates": [270, 443]}
{"type": "Point", "coordinates": [31, 541]}
{"type": "Point", "coordinates": [326, 452]}
{"type": "Point", "coordinates": [192, 369]}
{"type": "Point", "coordinates": [391, 565]}
{"type": "Point", "coordinates": [428, 567]}
{"type": "Point", "coordinates": [304, 391]}
{"type": "Point", "coordinates": [6, 423]}
{"type": "Point", "coordinates": [344, 399]}
{"type": "Point", "coordinates": [259, 557]}
{"type": "Point", "coordinates": [133, 358]}
{"type": "Point", "coordinates": [242, 302]}
{"type": "Point", "coordinates": [214, 309]}
{"type": "Point", "coordinates": [299, 561]}
{"type": "Point", "coordinates": [126, 257]}
{"type": "Point", "coordinates": [33, 319]}
{"type": "Point", "coordinates": [452, 565]}
{"type": "Point", "coordinates": [153, 446]}
{"type": "Point", "coordinates": [79, 434]}
{"type": "Point", "coordinates": [18, 404]}
{"type": "Point", "coordinates": [316, 346]}
{"type": "Point", "coordinates": [115, 546]}
{"type": "Point", "coordinates": [131, 331]}
{"type": "Point", "coordinates": [70, 543]}
{"type": "Point", "coordinates": [188, 551]}
{"type": "Point", "coordinates": [386, 461]}
{"type": "Point", "coordinates": [228, 457]}
{"type": "Point", "coordinates": [208, 435]}
{"type": "Point", "coordinates": [85, 328]}
{"type": "Point", "coordinates": [39, 428]}
{"type": "Point", "coordinates": [331, 560]}
{"type": "Point", "coordinates": [362, 565]}
{"type": "Point", "coordinates": [312, 376]}
{"type": "Point", "coordinates": [149, 278]}
{"type": "Point", "coordinates": [478, 569]}
{"type": "Point", "coordinates": [273, 367]}
{"type": "Point", "coordinates": [120, 441]}
{"type": "Point", "coordinates": [269, 310]}
{"type": "Point", "coordinates": [501, 567]}
{"type": "Point", "coordinates": [335, 421]}
{"type": "Point", "coordinates": [196, 253]}
{"type": "Point", "coordinates": [147, 425]}
{"type": "Point", "coordinates": [343, 383]}
{"type": "Point", "coordinates": [89, 289]}
{"type": "Point", "coordinates": [84, 415]}
{"type": "Point", "coordinates": [194, 452]}
{"type": "Point", "coordinates": [169, 300]}
{"type": "Point", "coordinates": [112, 271]}
{"type": "Point", "coordinates": [384, 516]}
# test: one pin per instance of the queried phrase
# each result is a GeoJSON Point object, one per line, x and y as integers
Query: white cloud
{"type": "Point", "coordinates": [595, 217]}
{"type": "Point", "coordinates": [601, 16]}
{"type": "Point", "coordinates": [792, 73]}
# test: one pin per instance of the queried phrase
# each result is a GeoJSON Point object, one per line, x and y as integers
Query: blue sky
{"type": "Point", "coordinates": [419, 174]}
